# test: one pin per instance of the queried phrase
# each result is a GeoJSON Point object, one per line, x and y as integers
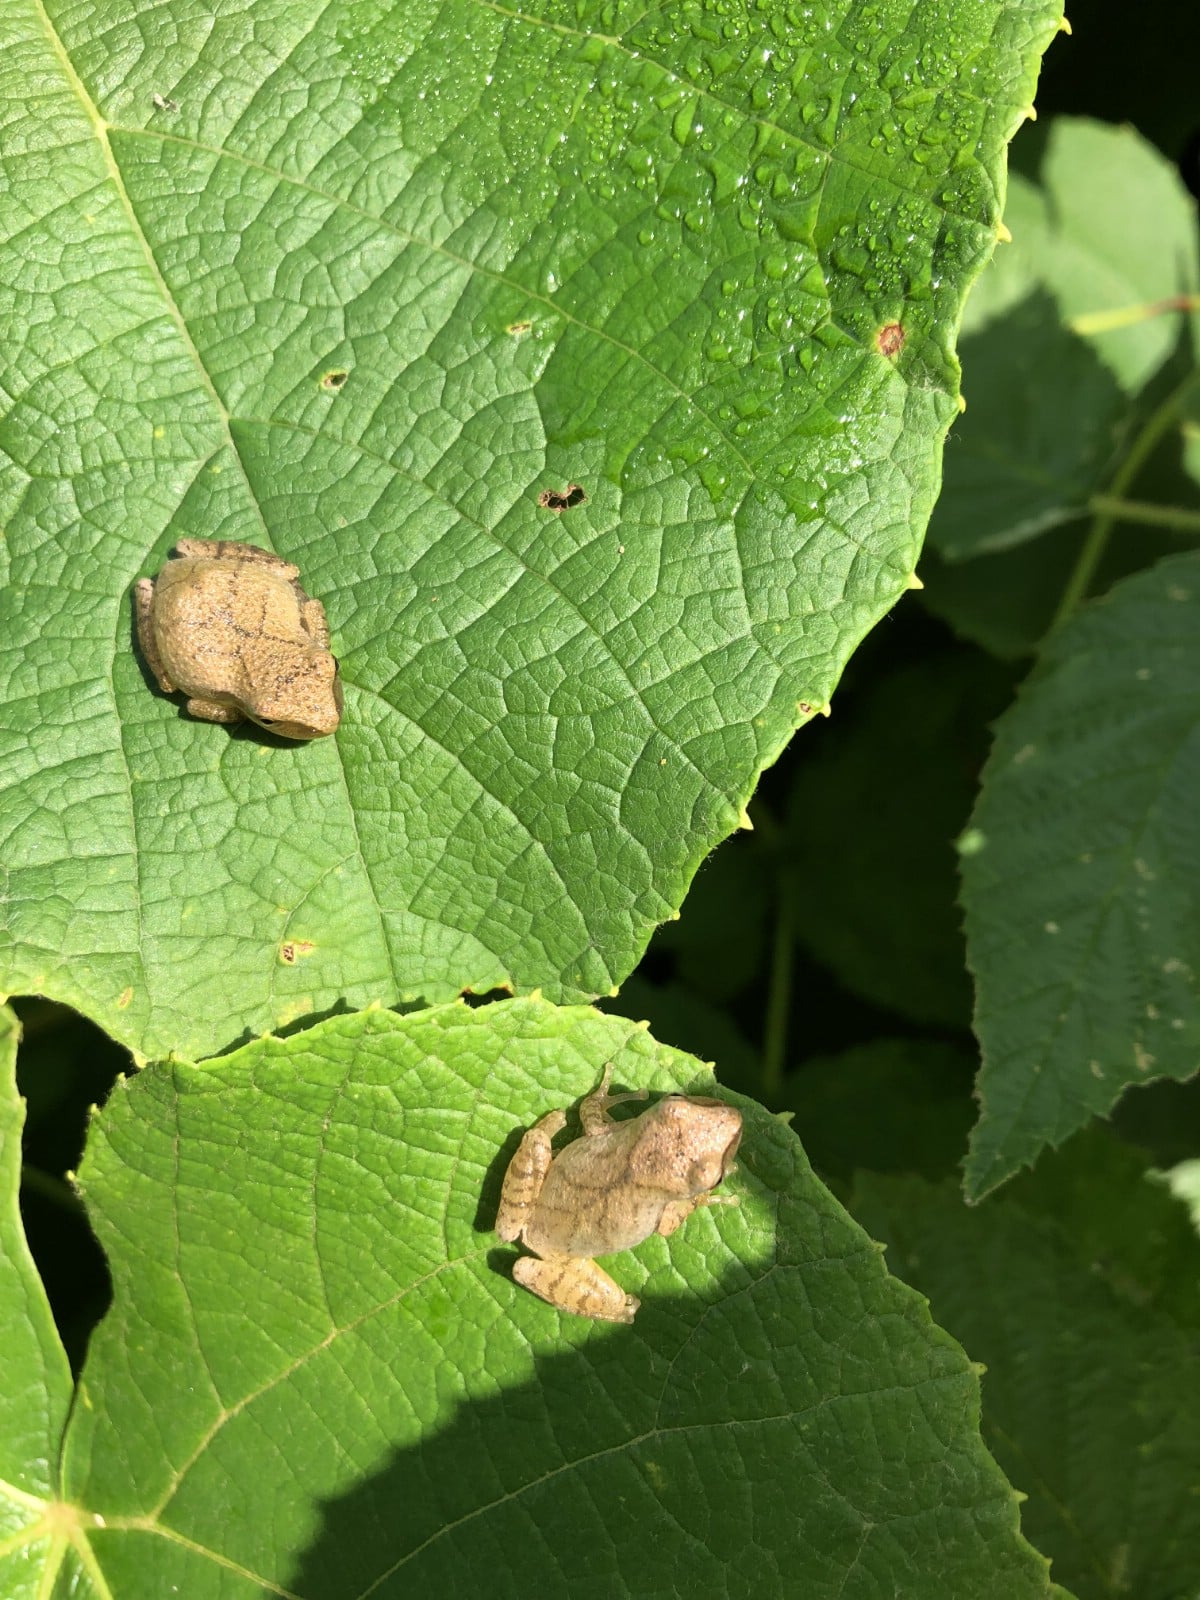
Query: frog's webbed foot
{"type": "Point", "coordinates": [213, 711]}
{"type": "Point", "coordinates": [232, 550]}
{"type": "Point", "coordinates": [312, 618]}
{"type": "Point", "coordinates": [576, 1284]}
{"type": "Point", "coordinates": [593, 1112]}
{"type": "Point", "coordinates": [143, 600]}
{"type": "Point", "coordinates": [678, 1211]}
{"type": "Point", "coordinates": [526, 1173]}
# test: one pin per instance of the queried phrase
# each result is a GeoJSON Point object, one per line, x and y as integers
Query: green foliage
{"type": "Point", "coordinates": [361, 285]}
{"type": "Point", "coordinates": [35, 1388]}
{"type": "Point", "coordinates": [396, 1411]}
{"type": "Point", "coordinates": [870, 823]}
{"type": "Point", "coordinates": [1063, 335]}
{"type": "Point", "coordinates": [646, 252]}
{"type": "Point", "coordinates": [1078, 1289]}
{"type": "Point", "coordinates": [1081, 873]}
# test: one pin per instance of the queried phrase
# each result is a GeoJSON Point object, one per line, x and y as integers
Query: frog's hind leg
{"type": "Point", "coordinates": [143, 601]}
{"type": "Point", "coordinates": [578, 1285]}
{"type": "Point", "coordinates": [526, 1173]}
{"type": "Point", "coordinates": [593, 1112]}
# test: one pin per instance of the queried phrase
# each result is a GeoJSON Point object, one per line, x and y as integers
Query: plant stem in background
{"type": "Point", "coordinates": [52, 1188]}
{"type": "Point", "coordinates": [783, 950]}
{"type": "Point", "coordinates": [1177, 517]}
{"type": "Point", "coordinates": [1107, 516]}
{"type": "Point", "coordinates": [779, 995]}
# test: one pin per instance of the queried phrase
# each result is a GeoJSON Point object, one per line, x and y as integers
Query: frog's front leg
{"type": "Point", "coordinates": [312, 618]}
{"type": "Point", "coordinates": [143, 599]}
{"type": "Point", "coordinates": [593, 1112]}
{"type": "Point", "coordinates": [213, 711]}
{"type": "Point", "coordinates": [676, 1212]}
{"type": "Point", "coordinates": [526, 1173]}
{"type": "Point", "coordinates": [576, 1284]}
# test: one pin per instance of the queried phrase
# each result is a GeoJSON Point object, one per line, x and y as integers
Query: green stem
{"type": "Point", "coordinates": [1178, 518]}
{"type": "Point", "coordinates": [779, 995]}
{"type": "Point", "coordinates": [52, 1188]}
{"type": "Point", "coordinates": [1096, 542]}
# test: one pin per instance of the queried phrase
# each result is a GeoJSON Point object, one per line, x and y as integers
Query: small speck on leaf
{"type": "Point", "coordinates": [123, 999]}
{"type": "Point", "coordinates": [562, 500]}
{"type": "Point", "coordinates": [163, 102]}
{"type": "Point", "coordinates": [334, 379]}
{"type": "Point", "coordinates": [518, 328]}
{"type": "Point", "coordinates": [890, 339]}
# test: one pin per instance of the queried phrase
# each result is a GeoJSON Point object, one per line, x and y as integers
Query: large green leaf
{"type": "Point", "coordinates": [35, 1384]}
{"type": "Point", "coordinates": [1078, 1289]}
{"type": "Point", "coordinates": [1062, 334]}
{"type": "Point", "coordinates": [1081, 873]}
{"type": "Point", "coordinates": [705, 261]}
{"type": "Point", "coordinates": [318, 1374]}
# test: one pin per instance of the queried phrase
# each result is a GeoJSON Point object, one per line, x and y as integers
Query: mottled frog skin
{"type": "Point", "coordinates": [229, 625]}
{"type": "Point", "coordinates": [609, 1190]}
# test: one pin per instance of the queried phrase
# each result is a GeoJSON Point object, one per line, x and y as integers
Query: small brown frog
{"type": "Point", "coordinates": [610, 1190]}
{"type": "Point", "coordinates": [230, 626]}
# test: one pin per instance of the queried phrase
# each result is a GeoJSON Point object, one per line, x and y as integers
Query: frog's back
{"type": "Point", "coordinates": [580, 1212]}
{"type": "Point", "coordinates": [196, 624]}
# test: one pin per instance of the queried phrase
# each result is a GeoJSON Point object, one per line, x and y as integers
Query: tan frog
{"type": "Point", "coordinates": [230, 626]}
{"type": "Point", "coordinates": [609, 1190]}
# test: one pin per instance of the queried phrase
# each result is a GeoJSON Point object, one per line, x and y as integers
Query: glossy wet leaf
{"type": "Point", "coordinates": [1081, 873]}
{"type": "Point", "coordinates": [318, 1374]}
{"type": "Point", "coordinates": [366, 284]}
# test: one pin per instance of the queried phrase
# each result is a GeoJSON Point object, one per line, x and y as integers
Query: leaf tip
{"type": "Point", "coordinates": [1063, 25]}
{"type": "Point", "coordinates": [1003, 233]}
{"type": "Point", "coordinates": [914, 582]}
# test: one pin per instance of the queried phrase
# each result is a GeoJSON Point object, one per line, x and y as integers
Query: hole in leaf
{"type": "Point", "coordinates": [564, 500]}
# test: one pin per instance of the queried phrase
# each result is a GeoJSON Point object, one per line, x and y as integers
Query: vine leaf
{"type": "Point", "coordinates": [1081, 873]}
{"type": "Point", "coordinates": [367, 295]}
{"type": "Point", "coordinates": [314, 1322]}
{"type": "Point", "coordinates": [1061, 337]}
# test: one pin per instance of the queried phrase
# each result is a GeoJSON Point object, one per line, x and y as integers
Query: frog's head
{"type": "Point", "coordinates": [692, 1142]}
{"type": "Point", "coordinates": [305, 701]}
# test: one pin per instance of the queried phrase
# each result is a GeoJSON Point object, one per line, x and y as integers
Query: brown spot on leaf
{"type": "Point", "coordinates": [334, 379]}
{"type": "Point", "coordinates": [518, 328]}
{"type": "Point", "coordinates": [123, 999]}
{"type": "Point", "coordinates": [293, 949]}
{"type": "Point", "coordinates": [890, 339]}
{"type": "Point", "coordinates": [562, 500]}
